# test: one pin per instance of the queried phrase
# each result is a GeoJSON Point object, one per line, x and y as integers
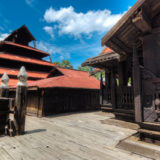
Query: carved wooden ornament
{"type": "Point", "coordinates": [22, 77]}
{"type": "Point", "coordinates": [4, 81]}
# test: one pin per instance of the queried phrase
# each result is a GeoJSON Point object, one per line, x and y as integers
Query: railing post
{"type": "Point", "coordinates": [21, 101]}
{"type": "Point", "coordinates": [4, 88]}
{"type": "Point", "coordinates": [4, 104]}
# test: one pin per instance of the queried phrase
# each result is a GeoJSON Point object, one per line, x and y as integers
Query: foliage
{"type": "Point", "coordinates": [89, 69]}
{"type": "Point", "coordinates": [86, 68]}
{"type": "Point", "coordinates": [98, 75]}
{"type": "Point", "coordinates": [64, 63]}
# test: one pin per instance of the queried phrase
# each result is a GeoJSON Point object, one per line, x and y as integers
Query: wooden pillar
{"type": "Point", "coordinates": [4, 88]}
{"type": "Point", "coordinates": [113, 87]}
{"type": "Point", "coordinates": [101, 90]}
{"type": "Point", "coordinates": [137, 86]}
{"type": "Point", "coordinates": [21, 102]}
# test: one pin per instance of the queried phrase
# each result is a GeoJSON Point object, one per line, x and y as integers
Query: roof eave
{"type": "Point", "coordinates": [121, 22]}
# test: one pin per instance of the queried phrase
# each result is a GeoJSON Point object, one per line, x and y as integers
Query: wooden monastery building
{"type": "Point", "coordinates": [51, 89]}
{"type": "Point", "coordinates": [131, 62]}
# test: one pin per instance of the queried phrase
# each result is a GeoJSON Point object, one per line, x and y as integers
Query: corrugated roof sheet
{"type": "Point", "coordinates": [24, 59]}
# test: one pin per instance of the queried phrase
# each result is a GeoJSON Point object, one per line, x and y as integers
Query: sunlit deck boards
{"type": "Point", "coordinates": [79, 136]}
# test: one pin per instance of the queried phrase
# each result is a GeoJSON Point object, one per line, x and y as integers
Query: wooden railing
{"type": "Point", "coordinates": [124, 97]}
{"type": "Point", "coordinates": [106, 92]}
{"type": "Point", "coordinates": [13, 124]}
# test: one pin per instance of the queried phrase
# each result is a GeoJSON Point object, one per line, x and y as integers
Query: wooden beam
{"type": "Point", "coordinates": [122, 21]}
{"type": "Point", "coordinates": [142, 22]}
{"type": "Point", "coordinates": [120, 44]}
{"type": "Point", "coordinates": [137, 86]}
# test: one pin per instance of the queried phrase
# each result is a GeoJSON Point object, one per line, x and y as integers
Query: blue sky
{"type": "Point", "coordinates": [67, 29]}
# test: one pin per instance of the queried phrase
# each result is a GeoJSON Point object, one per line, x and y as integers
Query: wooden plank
{"type": "Point", "coordinates": [79, 136]}
{"type": "Point", "coordinates": [4, 154]}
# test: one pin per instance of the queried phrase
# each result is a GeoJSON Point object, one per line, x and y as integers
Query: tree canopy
{"type": "Point", "coordinates": [67, 64]}
{"type": "Point", "coordinates": [64, 63]}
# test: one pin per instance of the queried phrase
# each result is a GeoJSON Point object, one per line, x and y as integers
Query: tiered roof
{"type": "Point", "coordinates": [15, 52]}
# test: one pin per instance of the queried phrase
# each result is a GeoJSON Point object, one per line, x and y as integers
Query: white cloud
{"type": "Point", "coordinates": [30, 2]}
{"type": "Point", "coordinates": [49, 30]}
{"type": "Point", "coordinates": [76, 24]}
{"type": "Point", "coordinates": [3, 36]}
{"type": "Point", "coordinates": [52, 49]}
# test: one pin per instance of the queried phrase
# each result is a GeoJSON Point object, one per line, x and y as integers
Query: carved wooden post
{"type": "Point", "coordinates": [101, 90]}
{"type": "Point", "coordinates": [4, 103]}
{"type": "Point", "coordinates": [21, 101]}
{"type": "Point", "coordinates": [137, 86]}
{"type": "Point", "coordinates": [4, 88]}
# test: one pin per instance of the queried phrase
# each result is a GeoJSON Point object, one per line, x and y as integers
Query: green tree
{"type": "Point", "coordinates": [57, 63]}
{"type": "Point", "coordinates": [86, 68]}
{"type": "Point", "coordinates": [64, 63]}
{"type": "Point", "coordinates": [90, 69]}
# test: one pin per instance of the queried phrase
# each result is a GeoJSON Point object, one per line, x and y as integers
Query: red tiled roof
{"type": "Point", "coordinates": [30, 74]}
{"type": "Point", "coordinates": [107, 50]}
{"type": "Point", "coordinates": [73, 73]}
{"type": "Point", "coordinates": [23, 46]}
{"type": "Point", "coordinates": [70, 79]}
{"type": "Point", "coordinates": [24, 59]}
{"type": "Point", "coordinates": [13, 82]}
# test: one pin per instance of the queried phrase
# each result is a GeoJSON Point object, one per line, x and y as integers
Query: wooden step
{"type": "Point", "coordinates": [150, 126]}
{"type": "Point", "coordinates": [106, 109]}
{"type": "Point", "coordinates": [149, 132]}
{"type": "Point", "coordinates": [125, 116]}
{"type": "Point", "coordinates": [149, 136]}
{"type": "Point", "coordinates": [129, 111]}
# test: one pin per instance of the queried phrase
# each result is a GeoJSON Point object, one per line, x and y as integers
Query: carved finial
{"type": "Point", "coordinates": [22, 77]}
{"type": "Point", "coordinates": [4, 81]}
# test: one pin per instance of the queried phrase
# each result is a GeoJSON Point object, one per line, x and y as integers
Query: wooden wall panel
{"type": "Point", "coordinates": [69, 100]}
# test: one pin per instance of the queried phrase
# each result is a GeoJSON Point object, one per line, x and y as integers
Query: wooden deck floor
{"type": "Point", "coordinates": [80, 136]}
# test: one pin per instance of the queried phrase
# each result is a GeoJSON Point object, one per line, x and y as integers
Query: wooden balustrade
{"type": "Point", "coordinates": [15, 126]}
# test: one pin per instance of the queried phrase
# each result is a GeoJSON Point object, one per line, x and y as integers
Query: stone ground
{"type": "Point", "coordinates": [74, 136]}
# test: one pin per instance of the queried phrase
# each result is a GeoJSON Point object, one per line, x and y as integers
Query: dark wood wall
{"type": "Point", "coordinates": [59, 100]}
{"type": "Point", "coordinates": [42, 102]}
{"type": "Point", "coordinates": [33, 102]}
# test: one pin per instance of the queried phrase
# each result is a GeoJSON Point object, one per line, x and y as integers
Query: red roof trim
{"type": "Point", "coordinates": [24, 59]}
{"type": "Point", "coordinates": [13, 82]}
{"type": "Point", "coordinates": [26, 47]}
{"type": "Point", "coordinates": [107, 50]}
{"type": "Point", "coordinates": [15, 72]}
